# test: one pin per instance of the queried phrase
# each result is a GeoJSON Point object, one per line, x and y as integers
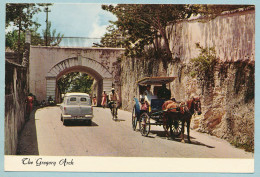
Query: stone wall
{"type": "Point", "coordinates": [15, 96]}
{"type": "Point", "coordinates": [228, 101]}
{"type": "Point", "coordinates": [132, 70]}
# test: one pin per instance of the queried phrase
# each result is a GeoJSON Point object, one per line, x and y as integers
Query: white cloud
{"type": "Point", "coordinates": [97, 30]}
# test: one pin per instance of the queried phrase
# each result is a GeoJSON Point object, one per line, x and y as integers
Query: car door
{"type": "Point", "coordinates": [85, 106]}
{"type": "Point", "coordinates": [72, 107]}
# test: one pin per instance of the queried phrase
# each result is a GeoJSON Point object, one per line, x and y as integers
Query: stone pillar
{"type": "Point", "coordinates": [107, 84]}
{"type": "Point", "coordinates": [50, 87]}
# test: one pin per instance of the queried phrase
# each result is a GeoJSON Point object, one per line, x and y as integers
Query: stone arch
{"type": "Point", "coordinates": [100, 73]}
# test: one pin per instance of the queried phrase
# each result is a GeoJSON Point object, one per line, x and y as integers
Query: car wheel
{"type": "Point", "coordinates": [61, 119]}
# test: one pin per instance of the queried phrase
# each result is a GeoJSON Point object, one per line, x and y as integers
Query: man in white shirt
{"type": "Point", "coordinates": [113, 98]}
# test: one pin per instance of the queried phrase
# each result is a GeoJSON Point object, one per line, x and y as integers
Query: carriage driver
{"type": "Point", "coordinates": [164, 93]}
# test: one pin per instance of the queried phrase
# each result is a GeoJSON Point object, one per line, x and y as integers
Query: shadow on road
{"type": "Point", "coordinates": [27, 141]}
{"type": "Point", "coordinates": [119, 120]}
{"type": "Point", "coordinates": [162, 134]}
{"type": "Point", "coordinates": [80, 124]}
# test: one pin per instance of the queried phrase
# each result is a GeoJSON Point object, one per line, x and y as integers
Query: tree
{"type": "Point", "coordinates": [52, 38]}
{"type": "Point", "coordinates": [113, 37]}
{"type": "Point", "coordinates": [82, 83]}
{"type": "Point", "coordinates": [141, 24]}
{"type": "Point", "coordinates": [209, 11]}
{"type": "Point", "coordinates": [75, 82]}
{"type": "Point", "coordinates": [20, 15]}
{"type": "Point", "coordinates": [12, 38]}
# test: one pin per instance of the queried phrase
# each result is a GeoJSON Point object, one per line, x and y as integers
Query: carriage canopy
{"type": "Point", "coordinates": [155, 80]}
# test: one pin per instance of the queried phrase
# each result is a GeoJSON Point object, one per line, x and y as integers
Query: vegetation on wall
{"type": "Point", "coordinates": [203, 65]}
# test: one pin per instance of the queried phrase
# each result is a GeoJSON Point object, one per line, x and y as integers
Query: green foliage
{"type": "Point", "coordinates": [12, 38]}
{"type": "Point", "coordinates": [210, 11]}
{"type": "Point", "coordinates": [113, 37]}
{"type": "Point", "coordinates": [248, 146]}
{"type": "Point", "coordinates": [75, 82]}
{"type": "Point", "coordinates": [20, 15]}
{"type": "Point", "coordinates": [141, 24]}
{"type": "Point", "coordinates": [203, 65]}
{"type": "Point", "coordinates": [13, 41]}
{"type": "Point", "coordinates": [82, 83]}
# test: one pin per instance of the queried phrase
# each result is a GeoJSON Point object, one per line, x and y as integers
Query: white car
{"type": "Point", "coordinates": [76, 107]}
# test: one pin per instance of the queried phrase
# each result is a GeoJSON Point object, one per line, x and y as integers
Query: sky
{"type": "Point", "coordinates": [77, 20]}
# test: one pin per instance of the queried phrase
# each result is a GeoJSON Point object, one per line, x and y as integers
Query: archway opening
{"type": "Point", "coordinates": [74, 82]}
{"type": "Point", "coordinates": [79, 79]}
{"type": "Point", "coordinates": [102, 78]}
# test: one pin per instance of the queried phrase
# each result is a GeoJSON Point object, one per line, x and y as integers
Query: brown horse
{"type": "Point", "coordinates": [181, 111]}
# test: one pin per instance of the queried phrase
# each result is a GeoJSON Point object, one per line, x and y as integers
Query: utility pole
{"type": "Point", "coordinates": [46, 32]}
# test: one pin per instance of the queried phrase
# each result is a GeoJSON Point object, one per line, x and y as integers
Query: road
{"type": "Point", "coordinates": [44, 134]}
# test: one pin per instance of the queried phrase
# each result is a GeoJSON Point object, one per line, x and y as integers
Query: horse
{"type": "Point", "coordinates": [181, 111]}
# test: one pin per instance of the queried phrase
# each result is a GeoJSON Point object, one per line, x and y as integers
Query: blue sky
{"type": "Point", "coordinates": [77, 20]}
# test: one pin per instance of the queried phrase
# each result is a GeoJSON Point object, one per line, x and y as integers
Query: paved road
{"type": "Point", "coordinates": [45, 134]}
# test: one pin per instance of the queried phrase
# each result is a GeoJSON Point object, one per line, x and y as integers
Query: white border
{"type": "Point", "coordinates": [129, 164]}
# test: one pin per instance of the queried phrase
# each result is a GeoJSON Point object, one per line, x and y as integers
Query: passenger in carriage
{"type": "Point", "coordinates": [164, 93]}
{"type": "Point", "coordinates": [146, 98]}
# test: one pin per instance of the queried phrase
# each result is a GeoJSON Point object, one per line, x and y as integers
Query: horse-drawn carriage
{"type": "Point", "coordinates": [170, 114]}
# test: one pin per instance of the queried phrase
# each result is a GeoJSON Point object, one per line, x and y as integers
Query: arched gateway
{"type": "Point", "coordinates": [48, 64]}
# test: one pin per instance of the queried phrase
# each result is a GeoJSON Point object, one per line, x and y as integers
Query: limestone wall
{"type": "Point", "coordinates": [228, 101]}
{"type": "Point", "coordinates": [15, 106]}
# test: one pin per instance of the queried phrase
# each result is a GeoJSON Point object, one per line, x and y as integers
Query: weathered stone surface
{"type": "Point", "coordinates": [15, 106]}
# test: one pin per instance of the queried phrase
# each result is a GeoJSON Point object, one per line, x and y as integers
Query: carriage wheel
{"type": "Point", "coordinates": [144, 124]}
{"type": "Point", "coordinates": [134, 119]}
{"type": "Point", "coordinates": [175, 128]}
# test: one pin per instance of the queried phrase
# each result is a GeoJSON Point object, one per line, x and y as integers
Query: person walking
{"type": "Point", "coordinates": [29, 105]}
{"type": "Point", "coordinates": [104, 99]}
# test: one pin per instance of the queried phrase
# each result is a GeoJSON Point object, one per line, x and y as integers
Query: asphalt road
{"type": "Point", "coordinates": [44, 134]}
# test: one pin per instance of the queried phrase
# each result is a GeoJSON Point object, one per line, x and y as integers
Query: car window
{"type": "Point", "coordinates": [85, 101]}
{"type": "Point", "coordinates": [72, 101]}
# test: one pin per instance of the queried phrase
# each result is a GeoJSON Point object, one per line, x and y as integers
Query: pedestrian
{"type": "Point", "coordinates": [104, 99]}
{"type": "Point", "coordinates": [29, 104]}
{"type": "Point", "coordinates": [94, 100]}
